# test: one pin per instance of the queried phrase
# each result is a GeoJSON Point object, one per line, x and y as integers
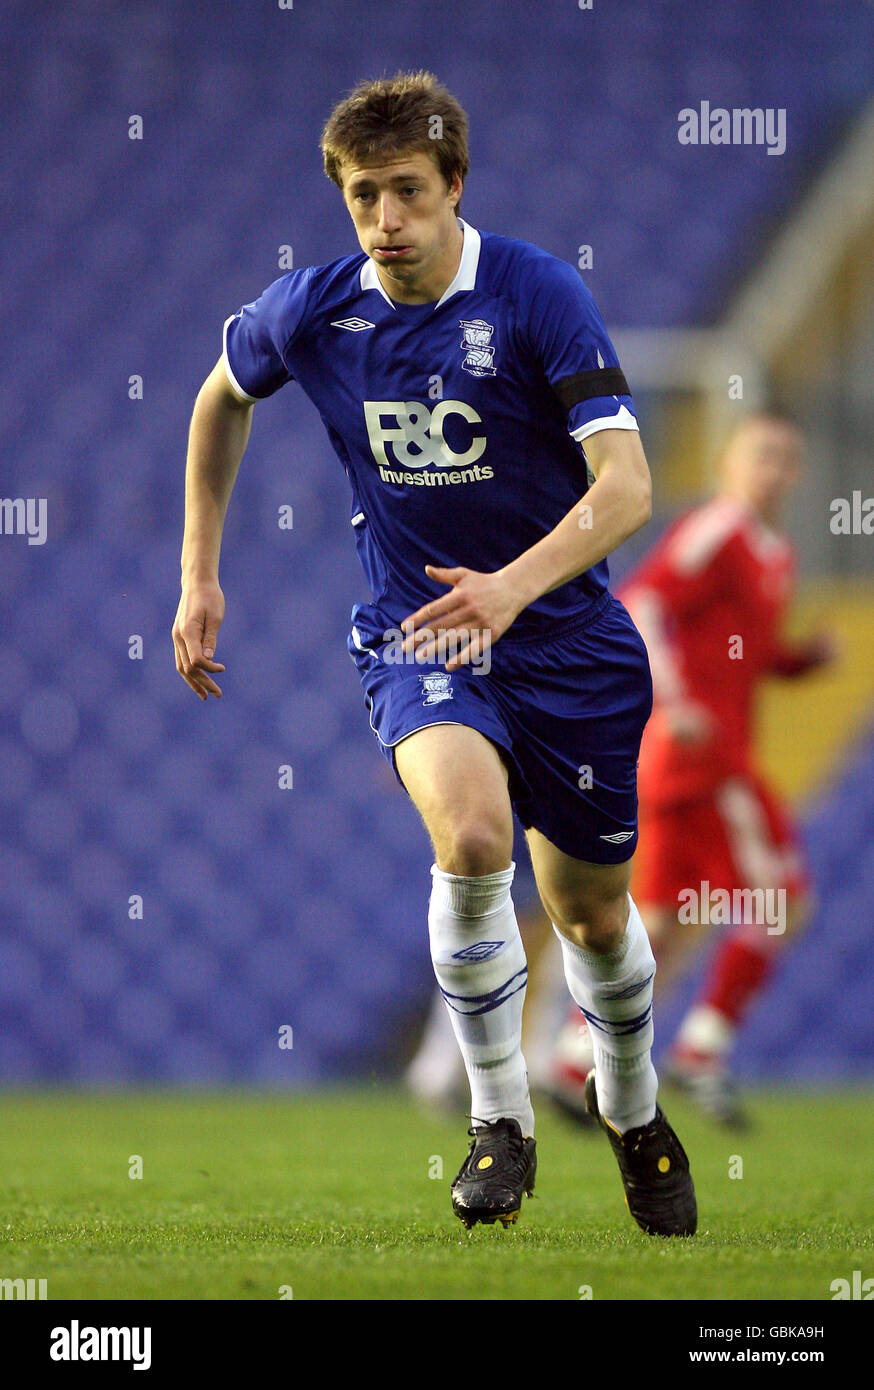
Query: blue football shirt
{"type": "Point", "coordinates": [459, 423]}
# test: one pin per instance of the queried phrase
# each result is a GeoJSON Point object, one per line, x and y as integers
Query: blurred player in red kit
{"type": "Point", "coordinates": [710, 600]}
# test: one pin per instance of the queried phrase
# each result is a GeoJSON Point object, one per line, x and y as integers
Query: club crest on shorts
{"type": "Point", "coordinates": [476, 339]}
{"type": "Point", "coordinates": [436, 687]}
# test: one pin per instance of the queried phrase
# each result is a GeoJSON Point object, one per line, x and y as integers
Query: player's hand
{"type": "Point", "coordinates": [195, 633]}
{"type": "Point", "coordinates": [477, 609]}
{"type": "Point", "coordinates": [824, 648]}
{"type": "Point", "coordinates": [688, 722]}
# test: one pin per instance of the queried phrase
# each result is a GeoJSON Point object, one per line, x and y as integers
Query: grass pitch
{"type": "Point", "coordinates": [331, 1196]}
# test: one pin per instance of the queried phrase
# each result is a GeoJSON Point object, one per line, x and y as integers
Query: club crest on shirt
{"type": "Point", "coordinates": [436, 688]}
{"type": "Point", "coordinates": [476, 339]}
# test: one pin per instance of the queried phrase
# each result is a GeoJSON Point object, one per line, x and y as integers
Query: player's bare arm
{"type": "Point", "coordinates": [217, 440]}
{"type": "Point", "coordinates": [617, 504]}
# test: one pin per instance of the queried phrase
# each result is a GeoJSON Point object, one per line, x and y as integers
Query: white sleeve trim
{"type": "Point", "coordinates": [230, 375]}
{"type": "Point", "coordinates": [623, 420]}
{"type": "Point", "coordinates": [702, 535]}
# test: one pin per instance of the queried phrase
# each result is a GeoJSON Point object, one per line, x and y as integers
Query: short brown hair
{"type": "Point", "coordinates": [383, 118]}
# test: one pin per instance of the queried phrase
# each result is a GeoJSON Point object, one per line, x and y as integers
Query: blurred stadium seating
{"type": "Point", "coordinates": [123, 257]}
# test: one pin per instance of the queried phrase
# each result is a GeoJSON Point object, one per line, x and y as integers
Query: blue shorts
{"type": "Point", "coordinates": [567, 714]}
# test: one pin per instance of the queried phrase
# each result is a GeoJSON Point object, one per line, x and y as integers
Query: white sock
{"type": "Point", "coordinates": [707, 1031]}
{"type": "Point", "coordinates": [479, 961]}
{"type": "Point", "coordinates": [614, 991]}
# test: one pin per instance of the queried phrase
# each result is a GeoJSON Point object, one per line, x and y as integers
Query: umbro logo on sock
{"type": "Point", "coordinates": [480, 950]}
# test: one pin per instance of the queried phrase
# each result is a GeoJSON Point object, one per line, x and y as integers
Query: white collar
{"type": "Point", "coordinates": [465, 276]}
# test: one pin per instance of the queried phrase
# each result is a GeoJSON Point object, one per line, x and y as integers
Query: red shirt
{"type": "Point", "coordinates": [709, 600]}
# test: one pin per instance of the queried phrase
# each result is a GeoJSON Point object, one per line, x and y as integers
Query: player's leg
{"type": "Point", "coordinates": [609, 967]}
{"type": "Point", "coordinates": [674, 841]}
{"type": "Point", "coordinates": [470, 825]}
{"type": "Point", "coordinates": [458, 781]}
{"type": "Point", "coordinates": [757, 859]}
{"type": "Point", "coordinates": [659, 869]}
{"type": "Point", "coordinates": [576, 708]}
{"type": "Point", "coordinates": [573, 1055]}
{"type": "Point", "coordinates": [740, 969]}
{"type": "Point", "coordinates": [441, 732]}
{"type": "Point", "coordinates": [436, 1075]}
{"type": "Point", "coordinates": [759, 852]}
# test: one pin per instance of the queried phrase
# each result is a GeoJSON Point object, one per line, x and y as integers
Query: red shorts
{"type": "Point", "coordinates": [740, 836]}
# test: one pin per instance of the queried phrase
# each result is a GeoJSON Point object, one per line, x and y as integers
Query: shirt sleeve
{"type": "Point", "coordinates": [570, 341]}
{"type": "Point", "coordinates": [259, 337]}
{"type": "Point", "coordinates": [695, 562]}
{"type": "Point", "coordinates": [674, 587]}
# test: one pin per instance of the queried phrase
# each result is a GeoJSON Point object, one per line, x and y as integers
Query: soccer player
{"type": "Point", "coordinates": [710, 600]}
{"type": "Point", "coordinates": [458, 374]}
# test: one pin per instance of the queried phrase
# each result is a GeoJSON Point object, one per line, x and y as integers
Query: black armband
{"type": "Point", "coordinates": [582, 386]}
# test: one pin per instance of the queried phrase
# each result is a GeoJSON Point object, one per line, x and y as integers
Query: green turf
{"type": "Point", "coordinates": [242, 1194]}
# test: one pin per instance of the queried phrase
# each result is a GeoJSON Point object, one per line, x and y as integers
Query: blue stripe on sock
{"type": "Point", "coordinates": [491, 999]}
{"type": "Point", "coordinates": [622, 1029]}
{"type": "Point", "coordinates": [486, 1008]}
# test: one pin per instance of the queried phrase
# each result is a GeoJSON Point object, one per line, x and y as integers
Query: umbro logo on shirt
{"type": "Point", "coordinates": [355, 325]}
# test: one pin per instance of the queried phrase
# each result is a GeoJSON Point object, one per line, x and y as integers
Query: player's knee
{"type": "Point", "coordinates": [474, 847]}
{"type": "Point", "coordinates": [595, 923]}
